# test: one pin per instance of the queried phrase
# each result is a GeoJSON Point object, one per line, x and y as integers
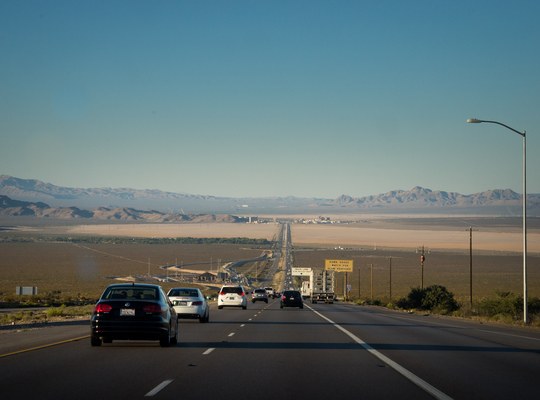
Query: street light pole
{"type": "Point", "coordinates": [524, 206]}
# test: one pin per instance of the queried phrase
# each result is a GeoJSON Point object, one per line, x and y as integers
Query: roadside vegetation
{"type": "Point", "coordinates": [505, 307]}
{"type": "Point", "coordinates": [130, 240]}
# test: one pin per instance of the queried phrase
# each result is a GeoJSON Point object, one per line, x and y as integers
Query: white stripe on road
{"type": "Point", "coordinates": [403, 371]}
{"type": "Point", "coordinates": [231, 334]}
{"type": "Point", "coordinates": [208, 351]}
{"type": "Point", "coordinates": [158, 388]}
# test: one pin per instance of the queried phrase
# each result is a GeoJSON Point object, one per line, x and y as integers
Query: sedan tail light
{"type": "Point", "coordinates": [152, 308]}
{"type": "Point", "coordinates": [103, 308]}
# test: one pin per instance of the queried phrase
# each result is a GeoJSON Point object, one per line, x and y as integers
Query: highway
{"type": "Point", "coordinates": [325, 350]}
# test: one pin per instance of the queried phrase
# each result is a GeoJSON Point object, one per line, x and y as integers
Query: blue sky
{"type": "Point", "coordinates": [270, 98]}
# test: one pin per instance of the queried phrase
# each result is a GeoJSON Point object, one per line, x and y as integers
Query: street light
{"type": "Point", "coordinates": [523, 135]}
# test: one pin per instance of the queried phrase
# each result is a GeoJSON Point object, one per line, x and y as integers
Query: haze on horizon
{"type": "Point", "coordinates": [255, 99]}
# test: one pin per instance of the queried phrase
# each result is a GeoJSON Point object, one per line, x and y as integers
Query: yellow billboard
{"type": "Point", "coordinates": [338, 265]}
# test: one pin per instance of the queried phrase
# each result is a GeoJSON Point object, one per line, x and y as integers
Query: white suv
{"type": "Point", "coordinates": [232, 296]}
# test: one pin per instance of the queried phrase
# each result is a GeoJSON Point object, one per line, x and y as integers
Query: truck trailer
{"type": "Point", "coordinates": [319, 287]}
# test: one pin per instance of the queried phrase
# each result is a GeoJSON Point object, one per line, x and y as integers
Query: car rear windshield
{"type": "Point", "coordinates": [232, 289]}
{"type": "Point", "coordinates": [130, 293]}
{"type": "Point", "coordinates": [291, 294]}
{"type": "Point", "coordinates": [184, 293]}
{"type": "Point", "coordinates": [260, 291]}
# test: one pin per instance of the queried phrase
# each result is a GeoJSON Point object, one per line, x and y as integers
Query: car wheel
{"type": "Point", "coordinates": [281, 306]}
{"type": "Point", "coordinates": [301, 306]}
{"type": "Point", "coordinates": [253, 301]}
{"type": "Point", "coordinates": [244, 307]}
{"type": "Point", "coordinates": [107, 340]}
{"type": "Point", "coordinates": [95, 340]}
{"type": "Point", "coordinates": [174, 340]}
{"type": "Point", "coordinates": [266, 301]}
{"type": "Point", "coordinates": [165, 340]}
{"type": "Point", "coordinates": [219, 307]}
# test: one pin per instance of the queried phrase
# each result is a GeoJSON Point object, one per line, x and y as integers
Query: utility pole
{"type": "Point", "coordinates": [390, 283]}
{"type": "Point", "coordinates": [371, 280]}
{"type": "Point", "coordinates": [470, 267]}
{"type": "Point", "coordinates": [422, 260]}
{"type": "Point", "coordinates": [358, 282]}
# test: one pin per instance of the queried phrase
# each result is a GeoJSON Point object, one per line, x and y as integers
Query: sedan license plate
{"type": "Point", "coordinates": [127, 312]}
{"type": "Point", "coordinates": [180, 303]}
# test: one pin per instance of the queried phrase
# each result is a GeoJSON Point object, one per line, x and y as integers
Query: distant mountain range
{"type": "Point", "coordinates": [45, 199]}
{"type": "Point", "coordinates": [17, 208]}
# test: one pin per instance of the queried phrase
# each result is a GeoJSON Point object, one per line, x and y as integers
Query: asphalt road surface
{"type": "Point", "coordinates": [323, 351]}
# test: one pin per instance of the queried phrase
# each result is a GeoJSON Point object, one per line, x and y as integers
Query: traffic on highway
{"type": "Point", "coordinates": [273, 349]}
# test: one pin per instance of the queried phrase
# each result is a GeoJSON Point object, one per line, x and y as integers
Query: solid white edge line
{"type": "Point", "coordinates": [392, 364]}
{"type": "Point", "coordinates": [158, 388]}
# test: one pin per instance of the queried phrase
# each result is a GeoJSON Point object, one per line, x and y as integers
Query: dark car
{"type": "Point", "coordinates": [259, 295]}
{"type": "Point", "coordinates": [132, 311]}
{"type": "Point", "coordinates": [291, 298]}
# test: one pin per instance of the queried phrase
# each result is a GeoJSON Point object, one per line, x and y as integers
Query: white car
{"type": "Point", "coordinates": [189, 303]}
{"type": "Point", "coordinates": [232, 296]}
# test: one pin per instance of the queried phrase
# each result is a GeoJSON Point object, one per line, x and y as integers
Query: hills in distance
{"type": "Point", "coordinates": [45, 199]}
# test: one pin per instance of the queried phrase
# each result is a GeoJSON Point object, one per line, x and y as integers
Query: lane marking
{"type": "Point", "coordinates": [241, 326]}
{"type": "Point", "coordinates": [392, 364]}
{"type": "Point", "coordinates": [208, 351]}
{"type": "Point", "coordinates": [450, 326]}
{"type": "Point", "coordinates": [508, 334]}
{"type": "Point", "coordinates": [44, 346]}
{"type": "Point", "coordinates": [231, 334]}
{"type": "Point", "coordinates": [158, 388]}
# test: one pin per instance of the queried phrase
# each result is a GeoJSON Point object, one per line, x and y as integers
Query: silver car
{"type": "Point", "coordinates": [189, 303]}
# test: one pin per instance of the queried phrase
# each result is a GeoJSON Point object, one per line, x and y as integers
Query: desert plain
{"type": "Point", "coordinates": [385, 251]}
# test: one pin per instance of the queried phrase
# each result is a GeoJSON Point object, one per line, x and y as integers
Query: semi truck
{"type": "Point", "coordinates": [319, 286]}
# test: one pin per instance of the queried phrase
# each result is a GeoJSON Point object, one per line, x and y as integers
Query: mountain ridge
{"type": "Point", "coordinates": [418, 199]}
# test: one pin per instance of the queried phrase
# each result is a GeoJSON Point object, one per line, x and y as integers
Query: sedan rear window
{"type": "Point", "coordinates": [130, 293]}
{"type": "Point", "coordinates": [183, 293]}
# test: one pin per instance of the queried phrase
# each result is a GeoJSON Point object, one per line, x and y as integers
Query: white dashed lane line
{"type": "Point", "coordinates": [158, 388]}
{"type": "Point", "coordinates": [208, 351]}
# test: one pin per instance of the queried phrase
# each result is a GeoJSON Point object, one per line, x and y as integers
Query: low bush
{"type": "Point", "coordinates": [433, 298]}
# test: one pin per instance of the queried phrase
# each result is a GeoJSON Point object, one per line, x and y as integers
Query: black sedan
{"type": "Point", "coordinates": [291, 298]}
{"type": "Point", "coordinates": [132, 311]}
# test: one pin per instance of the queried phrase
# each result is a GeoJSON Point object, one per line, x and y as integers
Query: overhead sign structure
{"type": "Point", "coordinates": [301, 271]}
{"type": "Point", "coordinates": [338, 265]}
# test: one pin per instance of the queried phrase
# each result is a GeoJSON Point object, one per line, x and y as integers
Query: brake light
{"type": "Point", "coordinates": [103, 308]}
{"type": "Point", "coordinates": [242, 294]}
{"type": "Point", "coordinates": [283, 297]}
{"type": "Point", "coordinates": [222, 293]}
{"type": "Point", "coordinates": [151, 308]}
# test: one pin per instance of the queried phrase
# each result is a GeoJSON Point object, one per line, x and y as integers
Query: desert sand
{"type": "Point", "coordinates": [449, 238]}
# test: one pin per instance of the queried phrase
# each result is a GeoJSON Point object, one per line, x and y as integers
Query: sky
{"type": "Point", "coordinates": [305, 98]}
